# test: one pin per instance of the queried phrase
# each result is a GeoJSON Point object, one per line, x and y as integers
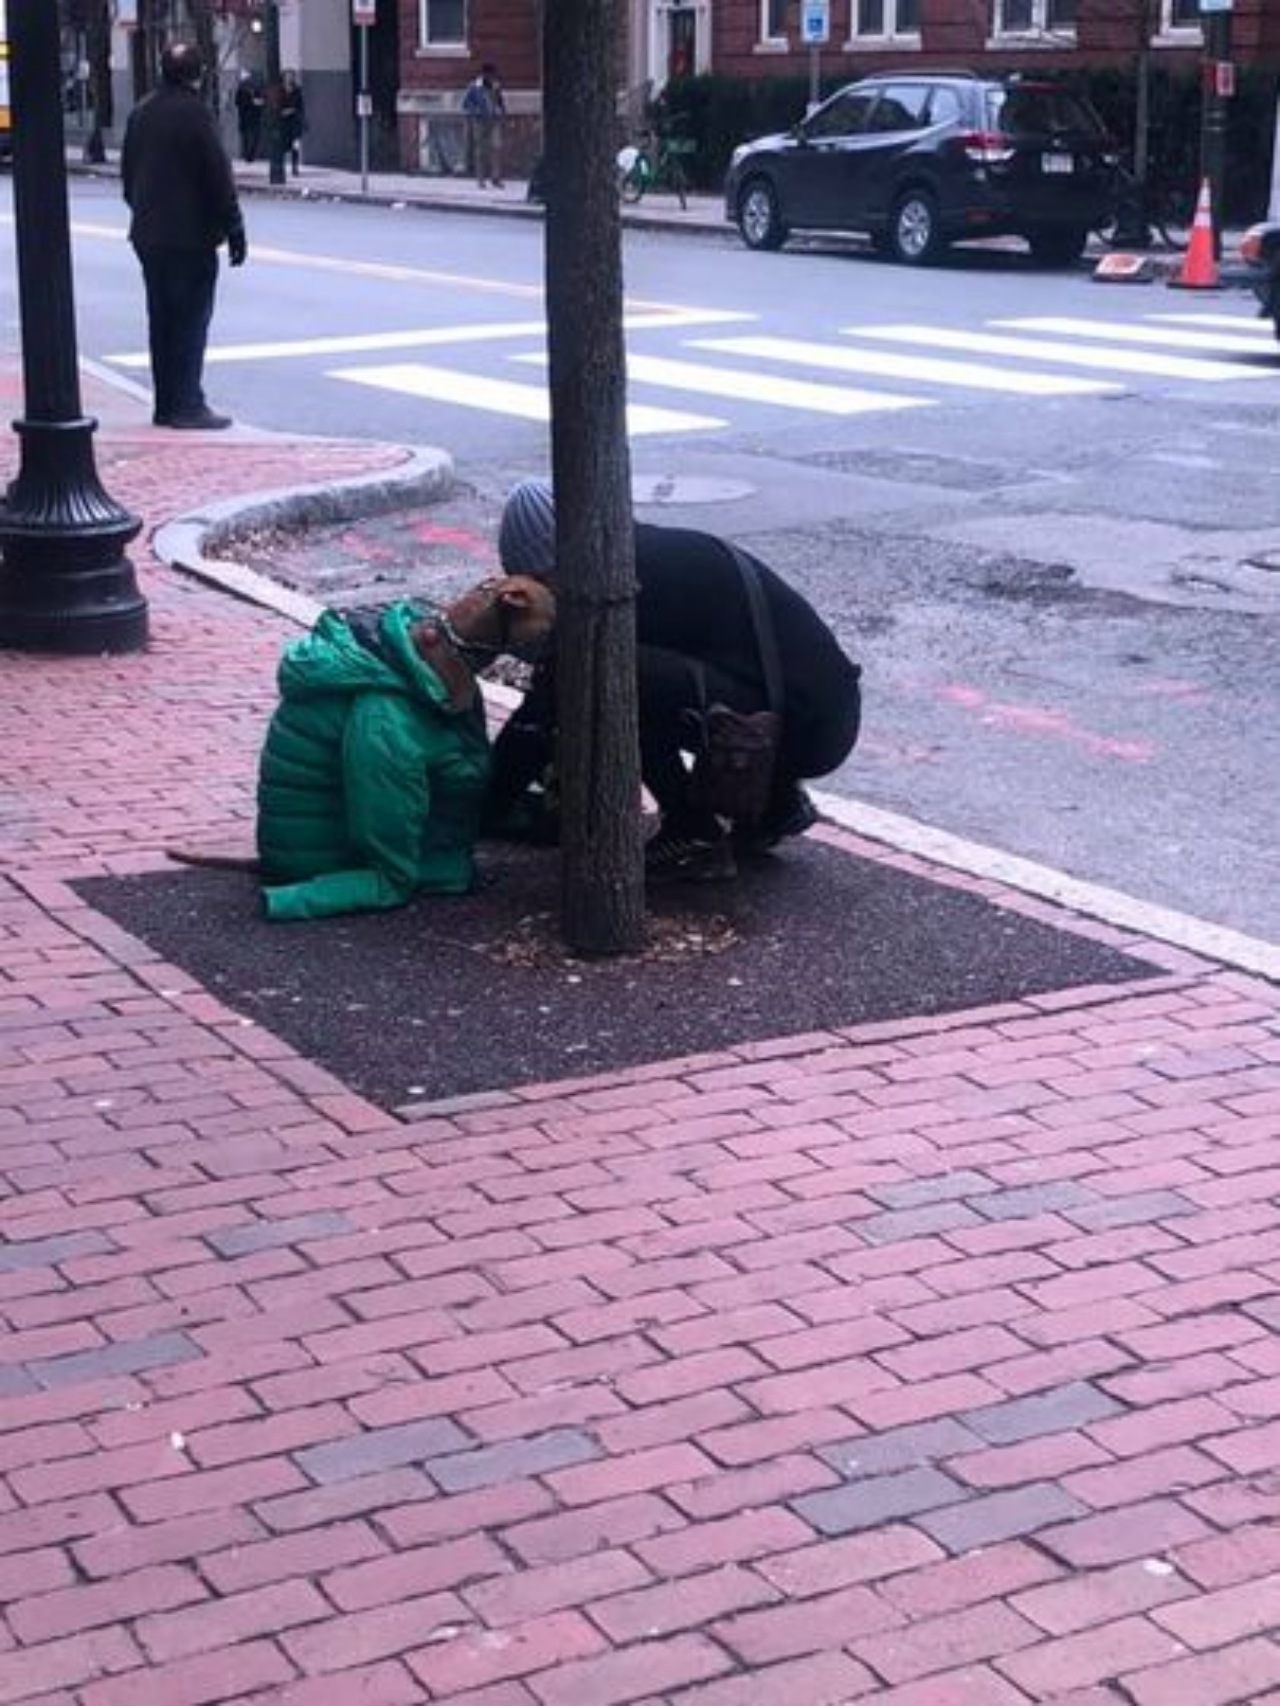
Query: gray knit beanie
{"type": "Point", "coordinates": [527, 533]}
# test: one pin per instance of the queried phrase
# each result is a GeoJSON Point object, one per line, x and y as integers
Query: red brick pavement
{"type": "Point", "coordinates": [931, 1363]}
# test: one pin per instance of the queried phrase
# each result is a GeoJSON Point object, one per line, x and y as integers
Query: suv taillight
{"type": "Point", "coordinates": [986, 147]}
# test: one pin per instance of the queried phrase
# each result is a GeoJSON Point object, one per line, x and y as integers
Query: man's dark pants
{"type": "Point", "coordinates": [180, 290]}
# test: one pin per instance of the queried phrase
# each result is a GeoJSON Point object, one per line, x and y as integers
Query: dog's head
{"type": "Point", "coordinates": [508, 614]}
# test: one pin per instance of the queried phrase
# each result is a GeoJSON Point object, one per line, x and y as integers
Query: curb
{"type": "Point", "coordinates": [425, 202]}
{"type": "Point", "coordinates": [191, 542]}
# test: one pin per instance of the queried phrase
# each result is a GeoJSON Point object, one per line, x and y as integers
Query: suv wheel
{"type": "Point", "coordinates": [914, 235]}
{"type": "Point", "coordinates": [759, 219]}
{"type": "Point", "coordinates": [1059, 247]}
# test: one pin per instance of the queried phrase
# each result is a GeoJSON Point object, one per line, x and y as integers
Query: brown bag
{"type": "Point", "coordinates": [733, 772]}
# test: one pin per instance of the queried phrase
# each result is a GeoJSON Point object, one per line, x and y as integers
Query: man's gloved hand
{"type": "Point", "coordinates": [237, 247]}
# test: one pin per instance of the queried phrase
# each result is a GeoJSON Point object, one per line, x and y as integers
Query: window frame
{"type": "Point", "coordinates": [1040, 32]}
{"type": "Point", "coordinates": [892, 30]}
{"type": "Point", "coordinates": [1178, 30]}
{"type": "Point", "coordinates": [769, 36]}
{"type": "Point", "coordinates": [428, 43]}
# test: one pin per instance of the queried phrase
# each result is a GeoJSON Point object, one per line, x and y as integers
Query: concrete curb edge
{"type": "Point", "coordinates": [191, 542]}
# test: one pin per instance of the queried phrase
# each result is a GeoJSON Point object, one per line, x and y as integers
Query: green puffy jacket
{"type": "Point", "coordinates": [370, 783]}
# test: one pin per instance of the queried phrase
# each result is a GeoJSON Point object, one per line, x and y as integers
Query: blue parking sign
{"type": "Point", "coordinates": [815, 21]}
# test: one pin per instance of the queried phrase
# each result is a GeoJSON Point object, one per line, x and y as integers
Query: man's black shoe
{"type": "Point", "coordinates": [203, 420]}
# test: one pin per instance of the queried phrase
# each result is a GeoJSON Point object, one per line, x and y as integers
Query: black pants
{"type": "Point", "coordinates": [181, 284]}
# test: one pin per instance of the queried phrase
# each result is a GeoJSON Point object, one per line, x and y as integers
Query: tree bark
{"type": "Point", "coordinates": [602, 865]}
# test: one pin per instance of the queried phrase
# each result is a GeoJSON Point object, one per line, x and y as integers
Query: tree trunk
{"type": "Point", "coordinates": [602, 866]}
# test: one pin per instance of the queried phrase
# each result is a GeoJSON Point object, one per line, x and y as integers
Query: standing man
{"type": "Point", "coordinates": [178, 184]}
{"type": "Point", "coordinates": [486, 107]}
{"type": "Point", "coordinates": [249, 115]}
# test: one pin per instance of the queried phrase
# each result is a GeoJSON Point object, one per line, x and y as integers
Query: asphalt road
{"type": "Point", "coordinates": [1043, 511]}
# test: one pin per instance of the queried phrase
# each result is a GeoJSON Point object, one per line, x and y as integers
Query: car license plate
{"type": "Point", "coordinates": [1057, 163]}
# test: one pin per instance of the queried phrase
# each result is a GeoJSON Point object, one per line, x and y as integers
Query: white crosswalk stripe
{"type": "Point", "coordinates": [974, 376]}
{"type": "Point", "coordinates": [1253, 326]}
{"type": "Point", "coordinates": [504, 397]}
{"type": "Point", "coordinates": [1106, 360]}
{"type": "Point", "coordinates": [1241, 339]}
{"type": "Point", "coordinates": [707, 381]}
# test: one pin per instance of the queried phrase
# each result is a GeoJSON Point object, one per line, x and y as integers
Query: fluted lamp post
{"type": "Point", "coordinates": [65, 582]}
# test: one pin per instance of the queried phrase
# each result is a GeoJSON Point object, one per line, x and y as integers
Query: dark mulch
{"type": "Point", "coordinates": [454, 996]}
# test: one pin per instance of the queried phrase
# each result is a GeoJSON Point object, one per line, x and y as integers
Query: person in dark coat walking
{"type": "Point", "coordinates": [696, 643]}
{"type": "Point", "coordinates": [178, 184]}
{"type": "Point", "coordinates": [249, 103]}
{"type": "Point", "coordinates": [293, 121]}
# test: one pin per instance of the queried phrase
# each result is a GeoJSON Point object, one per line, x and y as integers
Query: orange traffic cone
{"type": "Point", "coordinates": [1200, 269]}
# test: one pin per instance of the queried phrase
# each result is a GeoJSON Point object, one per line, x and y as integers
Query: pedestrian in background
{"type": "Point", "coordinates": [249, 116]}
{"type": "Point", "coordinates": [293, 120]}
{"type": "Point", "coordinates": [178, 183]}
{"type": "Point", "coordinates": [485, 107]}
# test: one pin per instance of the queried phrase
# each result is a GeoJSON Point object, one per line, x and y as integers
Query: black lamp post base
{"type": "Point", "coordinates": [65, 583]}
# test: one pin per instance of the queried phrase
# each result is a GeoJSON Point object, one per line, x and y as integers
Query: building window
{"type": "Point", "coordinates": [886, 18]}
{"type": "Point", "coordinates": [1181, 15]}
{"type": "Point", "coordinates": [444, 23]}
{"type": "Point", "coordinates": [773, 20]}
{"type": "Point", "coordinates": [1035, 17]}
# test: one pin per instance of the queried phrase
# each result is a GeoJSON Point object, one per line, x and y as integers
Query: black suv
{"type": "Point", "coordinates": [919, 160]}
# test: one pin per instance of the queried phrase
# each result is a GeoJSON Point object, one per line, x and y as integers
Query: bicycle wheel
{"type": "Point", "coordinates": [634, 174]}
{"type": "Point", "coordinates": [1175, 214]}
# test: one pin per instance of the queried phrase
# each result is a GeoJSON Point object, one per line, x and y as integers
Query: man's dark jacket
{"type": "Point", "coordinates": [177, 175]}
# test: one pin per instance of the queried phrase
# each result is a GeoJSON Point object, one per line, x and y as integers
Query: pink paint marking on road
{"type": "Point", "coordinates": [432, 533]}
{"type": "Point", "coordinates": [1036, 719]}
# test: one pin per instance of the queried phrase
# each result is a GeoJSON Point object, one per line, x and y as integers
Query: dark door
{"type": "Point", "coordinates": [896, 126]}
{"type": "Point", "coordinates": [682, 42]}
{"type": "Point", "coordinates": [820, 173]}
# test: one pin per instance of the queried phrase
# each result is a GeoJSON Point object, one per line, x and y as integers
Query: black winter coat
{"type": "Point", "coordinates": [177, 175]}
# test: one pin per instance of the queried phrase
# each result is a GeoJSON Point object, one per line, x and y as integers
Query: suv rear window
{"type": "Point", "coordinates": [1041, 110]}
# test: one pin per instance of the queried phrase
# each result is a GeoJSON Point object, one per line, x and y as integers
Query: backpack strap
{"type": "Point", "coordinates": [762, 623]}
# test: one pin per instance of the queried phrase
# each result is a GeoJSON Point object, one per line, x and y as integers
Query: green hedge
{"type": "Point", "coordinates": [719, 112]}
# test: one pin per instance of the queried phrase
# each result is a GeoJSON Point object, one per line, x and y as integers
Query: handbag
{"type": "Point", "coordinates": [733, 772]}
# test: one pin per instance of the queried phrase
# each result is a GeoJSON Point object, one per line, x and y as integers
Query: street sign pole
{"type": "Point", "coordinates": [1218, 87]}
{"type": "Point", "coordinates": [364, 15]}
{"type": "Point", "coordinates": [815, 29]}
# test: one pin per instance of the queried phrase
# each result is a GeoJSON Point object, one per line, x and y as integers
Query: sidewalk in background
{"type": "Point", "coordinates": [932, 1363]}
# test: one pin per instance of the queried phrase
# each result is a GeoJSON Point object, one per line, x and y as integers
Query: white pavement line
{"type": "Point", "coordinates": [710, 381]}
{"type": "Point", "coordinates": [1189, 336]}
{"type": "Point", "coordinates": [398, 274]}
{"type": "Point", "coordinates": [866, 362]}
{"type": "Point", "coordinates": [503, 396]}
{"type": "Point", "coordinates": [1178, 929]}
{"type": "Point", "coordinates": [1259, 328]}
{"type": "Point", "coordinates": [358, 343]}
{"type": "Point", "coordinates": [1040, 349]}
{"type": "Point", "coordinates": [108, 376]}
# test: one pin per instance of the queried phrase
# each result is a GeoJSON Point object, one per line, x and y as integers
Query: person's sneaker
{"type": "Point", "coordinates": [795, 814]}
{"type": "Point", "coordinates": [203, 420]}
{"type": "Point", "coordinates": [671, 857]}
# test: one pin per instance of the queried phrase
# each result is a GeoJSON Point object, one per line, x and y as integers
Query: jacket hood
{"type": "Point", "coordinates": [334, 659]}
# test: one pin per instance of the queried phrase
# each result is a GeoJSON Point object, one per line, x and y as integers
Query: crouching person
{"type": "Point", "coordinates": [376, 760]}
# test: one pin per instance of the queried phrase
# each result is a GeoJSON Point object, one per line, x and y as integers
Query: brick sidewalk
{"type": "Point", "coordinates": [932, 1364]}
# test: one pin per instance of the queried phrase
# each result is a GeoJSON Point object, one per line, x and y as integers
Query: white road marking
{"type": "Point", "coordinates": [710, 381]}
{"type": "Point", "coordinates": [503, 396]}
{"type": "Point", "coordinates": [1258, 327]}
{"type": "Point", "coordinates": [357, 343]}
{"type": "Point", "coordinates": [1040, 349]}
{"type": "Point", "coordinates": [1169, 337]}
{"type": "Point", "coordinates": [924, 368]}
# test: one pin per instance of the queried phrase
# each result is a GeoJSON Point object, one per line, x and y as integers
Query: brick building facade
{"type": "Point", "coordinates": [444, 42]}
